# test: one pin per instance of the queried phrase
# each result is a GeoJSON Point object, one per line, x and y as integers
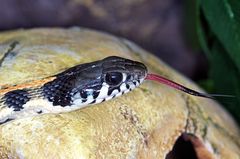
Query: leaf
{"type": "Point", "coordinates": [223, 17]}
{"type": "Point", "coordinates": [226, 79]}
{"type": "Point", "coordinates": [219, 35]}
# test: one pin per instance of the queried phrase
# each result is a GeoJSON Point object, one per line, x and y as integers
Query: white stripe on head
{"type": "Point", "coordinates": [103, 93]}
{"type": "Point", "coordinates": [76, 96]}
{"type": "Point", "coordinates": [109, 97]}
{"type": "Point", "coordinates": [103, 90]}
{"type": "Point", "coordinates": [132, 86]}
{"type": "Point", "coordinates": [77, 101]}
{"type": "Point", "coordinates": [123, 87]}
{"type": "Point", "coordinates": [126, 91]}
{"type": "Point", "coordinates": [99, 100]}
{"type": "Point", "coordinates": [124, 77]}
{"type": "Point", "coordinates": [141, 80]}
{"type": "Point", "coordinates": [114, 92]}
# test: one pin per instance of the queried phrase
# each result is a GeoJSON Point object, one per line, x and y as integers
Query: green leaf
{"type": "Point", "coordinates": [219, 35]}
{"type": "Point", "coordinates": [226, 79]}
{"type": "Point", "coordinates": [223, 17]}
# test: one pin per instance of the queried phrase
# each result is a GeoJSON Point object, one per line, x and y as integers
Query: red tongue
{"type": "Point", "coordinates": [180, 87]}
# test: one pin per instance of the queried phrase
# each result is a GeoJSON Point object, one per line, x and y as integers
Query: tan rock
{"type": "Point", "coordinates": [144, 123]}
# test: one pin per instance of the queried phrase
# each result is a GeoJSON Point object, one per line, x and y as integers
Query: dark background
{"type": "Point", "coordinates": [159, 26]}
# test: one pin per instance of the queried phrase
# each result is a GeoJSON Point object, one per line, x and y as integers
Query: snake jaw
{"type": "Point", "coordinates": [104, 94]}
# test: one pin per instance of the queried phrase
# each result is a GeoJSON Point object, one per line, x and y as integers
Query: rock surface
{"type": "Point", "coordinates": [144, 123]}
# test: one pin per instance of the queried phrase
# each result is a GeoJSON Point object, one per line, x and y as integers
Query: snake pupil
{"type": "Point", "coordinates": [114, 78]}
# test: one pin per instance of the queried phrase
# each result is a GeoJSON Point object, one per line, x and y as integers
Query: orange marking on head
{"type": "Point", "coordinates": [31, 84]}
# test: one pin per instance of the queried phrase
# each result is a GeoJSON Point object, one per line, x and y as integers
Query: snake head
{"type": "Point", "coordinates": [105, 79]}
{"type": "Point", "coordinates": [95, 82]}
{"type": "Point", "coordinates": [122, 75]}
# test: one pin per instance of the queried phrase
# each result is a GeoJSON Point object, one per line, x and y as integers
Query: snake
{"type": "Point", "coordinates": [77, 87]}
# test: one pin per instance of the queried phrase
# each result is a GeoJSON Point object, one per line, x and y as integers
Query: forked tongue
{"type": "Point", "coordinates": [180, 87]}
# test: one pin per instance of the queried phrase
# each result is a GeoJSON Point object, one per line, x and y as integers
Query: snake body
{"type": "Point", "coordinates": [72, 89]}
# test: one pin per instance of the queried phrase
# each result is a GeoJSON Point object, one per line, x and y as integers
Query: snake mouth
{"type": "Point", "coordinates": [106, 93]}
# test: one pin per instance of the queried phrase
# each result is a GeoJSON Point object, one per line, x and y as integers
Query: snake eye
{"type": "Point", "coordinates": [114, 78]}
